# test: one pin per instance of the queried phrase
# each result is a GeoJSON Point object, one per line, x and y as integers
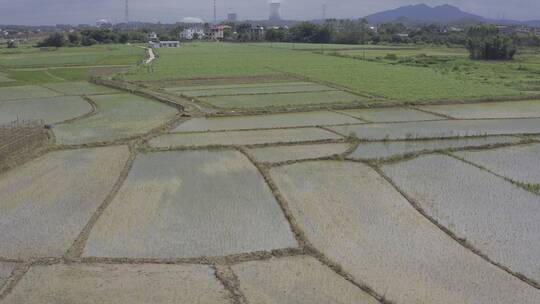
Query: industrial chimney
{"type": "Point", "coordinates": [275, 10]}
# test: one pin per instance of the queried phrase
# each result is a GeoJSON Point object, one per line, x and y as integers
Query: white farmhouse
{"type": "Point", "coordinates": [194, 29]}
{"type": "Point", "coordinates": [192, 33]}
{"type": "Point", "coordinates": [163, 44]}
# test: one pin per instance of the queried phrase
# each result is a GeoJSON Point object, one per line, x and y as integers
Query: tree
{"type": "Point", "coordinates": [485, 42]}
{"type": "Point", "coordinates": [310, 33]}
{"type": "Point", "coordinates": [74, 39]}
{"type": "Point", "coordinates": [123, 38]}
{"type": "Point", "coordinates": [276, 34]}
{"type": "Point", "coordinates": [54, 40]}
{"type": "Point", "coordinates": [303, 32]}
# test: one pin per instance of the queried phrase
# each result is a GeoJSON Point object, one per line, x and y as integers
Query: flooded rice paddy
{"type": "Point", "coordinates": [134, 203]}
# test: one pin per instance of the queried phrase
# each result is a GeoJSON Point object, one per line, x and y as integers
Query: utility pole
{"type": "Point", "coordinates": [126, 12]}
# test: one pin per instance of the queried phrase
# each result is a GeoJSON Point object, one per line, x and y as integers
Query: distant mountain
{"type": "Point", "coordinates": [422, 13]}
{"type": "Point", "coordinates": [444, 14]}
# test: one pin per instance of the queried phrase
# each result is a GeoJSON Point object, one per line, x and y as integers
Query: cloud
{"type": "Point", "coordinates": [83, 11]}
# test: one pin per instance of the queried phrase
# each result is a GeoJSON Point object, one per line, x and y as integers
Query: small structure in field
{"type": "Point", "coordinates": [163, 44]}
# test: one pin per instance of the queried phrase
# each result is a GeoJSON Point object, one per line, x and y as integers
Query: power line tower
{"type": "Point", "coordinates": [215, 12]}
{"type": "Point", "coordinates": [324, 11]}
{"type": "Point", "coordinates": [126, 12]}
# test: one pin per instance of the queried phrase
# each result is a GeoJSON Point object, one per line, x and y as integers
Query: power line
{"type": "Point", "coordinates": [127, 12]}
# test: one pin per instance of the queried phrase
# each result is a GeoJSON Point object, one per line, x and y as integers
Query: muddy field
{"type": "Point", "coordinates": [137, 201]}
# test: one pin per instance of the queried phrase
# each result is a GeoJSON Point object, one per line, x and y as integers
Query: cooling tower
{"type": "Point", "coordinates": [275, 10]}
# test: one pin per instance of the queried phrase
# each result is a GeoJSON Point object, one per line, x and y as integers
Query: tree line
{"type": "Point", "coordinates": [482, 41]}
{"type": "Point", "coordinates": [87, 37]}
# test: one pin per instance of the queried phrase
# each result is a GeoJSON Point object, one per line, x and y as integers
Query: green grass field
{"type": "Point", "coordinates": [79, 56]}
{"type": "Point", "coordinates": [410, 74]}
{"type": "Point", "coordinates": [276, 89]}
{"type": "Point", "coordinates": [329, 46]}
{"type": "Point", "coordinates": [522, 73]}
{"type": "Point", "coordinates": [30, 66]}
{"type": "Point", "coordinates": [281, 100]}
{"type": "Point", "coordinates": [382, 53]}
{"type": "Point", "coordinates": [381, 79]}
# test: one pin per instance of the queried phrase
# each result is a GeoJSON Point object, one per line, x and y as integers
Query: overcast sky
{"type": "Point", "coordinates": [43, 12]}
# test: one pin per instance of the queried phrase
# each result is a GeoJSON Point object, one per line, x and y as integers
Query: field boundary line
{"type": "Point", "coordinates": [518, 184]}
{"type": "Point", "coordinates": [249, 146]}
{"type": "Point", "coordinates": [77, 248]}
{"type": "Point", "coordinates": [42, 85]}
{"type": "Point", "coordinates": [416, 108]}
{"type": "Point", "coordinates": [232, 259]}
{"type": "Point", "coordinates": [463, 242]}
{"type": "Point", "coordinates": [54, 76]}
{"type": "Point", "coordinates": [92, 112]}
{"type": "Point", "coordinates": [299, 233]}
{"type": "Point", "coordinates": [218, 87]}
{"type": "Point", "coordinates": [136, 90]}
{"type": "Point", "coordinates": [226, 276]}
{"type": "Point", "coordinates": [330, 84]}
{"type": "Point", "coordinates": [14, 278]}
{"type": "Point", "coordinates": [412, 155]}
{"type": "Point", "coordinates": [265, 129]}
{"type": "Point", "coordinates": [341, 112]}
{"type": "Point", "coordinates": [258, 94]}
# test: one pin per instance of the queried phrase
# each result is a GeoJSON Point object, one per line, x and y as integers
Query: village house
{"type": "Point", "coordinates": [218, 32]}
{"type": "Point", "coordinates": [257, 32]}
{"type": "Point", "coordinates": [153, 37]}
{"type": "Point", "coordinates": [193, 29]}
{"type": "Point", "coordinates": [191, 33]}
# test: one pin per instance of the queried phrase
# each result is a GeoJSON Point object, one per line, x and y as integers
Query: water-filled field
{"type": "Point", "coordinates": [25, 92]}
{"type": "Point", "coordinates": [280, 179]}
{"type": "Point", "coordinates": [50, 110]}
{"type": "Point", "coordinates": [299, 152]}
{"type": "Point", "coordinates": [118, 116]}
{"type": "Point", "coordinates": [287, 120]}
{"type": "Point", "coordinates": [441, 129]}
{"type": "Point", "coordinates": [282, 100]}
{"type": "Point", "coordinates": [518, 163]}
{"type": "Point", "coordinates": [79, 88]}
{"type": "Point", "coordinates": [100, 283]}
{"type": "Point", "coordinates": [391, 115]}
{"type": "Point", "coordinates": [236, 138]}
{"type": "Point", "coordinates": [67, 187]}
{"type": "Point", "coordinates": [495, 216]}
{"type": "Point", "coordinates": [389, 149]}
{"type": "Point", "coordinates": [5, 271]}
{"type": "Point", "coordinates": [288, 280]}
{"type": "Point", "coordinates": [171, 199]}
{"type": "Point", "coordinates": [511, 109]}
{"type": "Point", "coordinates": [403, 252]}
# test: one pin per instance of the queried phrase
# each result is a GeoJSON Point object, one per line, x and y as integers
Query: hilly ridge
{"type": "Point", "coordinates": [422, 13]}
